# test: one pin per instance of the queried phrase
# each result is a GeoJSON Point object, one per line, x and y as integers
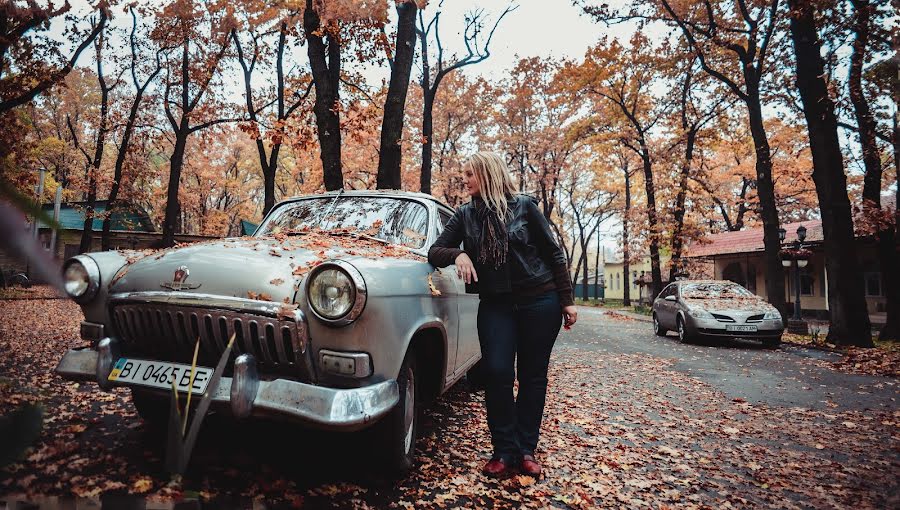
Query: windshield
{"type": "Point", "coordinates": [394, 220]}
{"type": "Point", "coordinates": [714, 290]}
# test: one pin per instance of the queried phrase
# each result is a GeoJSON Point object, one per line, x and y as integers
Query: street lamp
{"type": "Point", "coordinates": [795, 258]}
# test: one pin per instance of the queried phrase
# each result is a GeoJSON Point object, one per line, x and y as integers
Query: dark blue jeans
{"type": "Point", "coordinates": [525, 328]}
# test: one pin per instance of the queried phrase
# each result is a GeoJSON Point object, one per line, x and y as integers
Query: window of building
{"type": "Point", "coordinates": [807, 286]}
{"type": "Point", "coordinates": [873, 284]}
{"type": "Point", "coordinates": [619, 281]}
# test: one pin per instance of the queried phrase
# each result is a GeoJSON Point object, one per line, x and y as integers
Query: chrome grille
{"type": "Point", "coordinates": [169, 333]}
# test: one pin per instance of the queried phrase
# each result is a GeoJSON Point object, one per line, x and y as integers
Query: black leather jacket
{"type": "Point", "coordinates": [533, 258]}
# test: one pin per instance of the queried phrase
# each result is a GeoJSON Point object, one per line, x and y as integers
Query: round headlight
{"type": "Point", "coordinates": [331, 293]}
{"type": "Point", "coordinates": [337, 293]}
{"type": "Point", "coordinates": [81, 278]}
{"type": "Point", "coordinates": [77, 279]}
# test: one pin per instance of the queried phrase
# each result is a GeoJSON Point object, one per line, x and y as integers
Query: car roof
{"type": "Point", "coordinates": [373, 192]}
{"type": "Point", "coordinates": [724, 282]}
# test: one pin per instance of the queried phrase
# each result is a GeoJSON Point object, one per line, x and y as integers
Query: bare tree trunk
{"type": "Point", "coordinates": [326, 71]}
{"type": "Point", "coordinates": [171, 222]}
{"type": "Point", "coordinates": [626, 251]}
{"type": "Point", "coordinates": [849, 317]}
{"type": "Point", "coordinates": [390, 152]}
{"type": "Point", "coordinates": [886, 234]}
{"type": "Point", "coordinates": [655, 270]}
{"type": "Point", "coordinates": [122, 154]}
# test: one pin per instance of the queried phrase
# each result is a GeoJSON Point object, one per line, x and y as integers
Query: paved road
{"type": "Point", "coordinates": [788, 376]}
{"type": "Point", "coordinates": [632, 421]}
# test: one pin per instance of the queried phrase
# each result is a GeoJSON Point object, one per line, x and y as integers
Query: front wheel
{"type": "Point", "coordinates": [657, 328]}
{"type": "Point", "coordinates": [396, 432]}
{"type": "Point", "coordinates": [683, 335]}
{"type": "Point", "coordinates": [772, 342]}
{"type": "Point", "coordinates": [154, 411]}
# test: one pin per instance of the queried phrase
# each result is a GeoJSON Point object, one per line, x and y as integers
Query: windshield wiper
{"type": "Point", "coordinates": [331, 207]}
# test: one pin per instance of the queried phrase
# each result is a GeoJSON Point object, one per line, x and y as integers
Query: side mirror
{"type": "Point", "coordinates": [671, 298]}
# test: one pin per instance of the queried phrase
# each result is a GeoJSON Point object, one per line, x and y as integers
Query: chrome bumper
{"type": "Point", "coordinates": [712, 327]}
{"type": "Point", "coordinates": [336, 409]}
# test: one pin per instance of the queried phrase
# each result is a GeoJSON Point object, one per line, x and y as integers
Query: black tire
{"type": "Point", "coordinates": [154, 411]}
{"type": "Point", "coordinates": [683, 335]}
{"type": "Point", "coordinates": [773, 342]}
{"type": "Point", "coordinates": [657, 328]}
{"type": "Point", "coordinates": [396, 432]}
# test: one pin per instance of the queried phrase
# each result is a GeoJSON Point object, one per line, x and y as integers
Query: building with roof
{"type": "Point", "coordinates": [131, 228]}
{"type": "Point", "coordinates": [639, 278]}
{"type": "Point", "coordinates": [739, 257]}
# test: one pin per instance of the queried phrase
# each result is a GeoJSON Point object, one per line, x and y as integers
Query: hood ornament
{"type": "Point", "coordinates": [178, 280]}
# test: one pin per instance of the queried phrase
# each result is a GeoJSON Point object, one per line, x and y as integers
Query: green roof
{"type": "Point", "coordinates": [126, 217]}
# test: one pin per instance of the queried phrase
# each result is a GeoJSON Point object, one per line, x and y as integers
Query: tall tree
{"type": "Point", "coordinates": [29, 67]}
{"type": "Point", "coordinates": [694, 113]}
{"type": "Point", "coordinates": [847, 305]}
{"type": "Point", "coordinates": [733, 42]}
{"type": "Point", "coordinates": [201, 34]}
{"type": "Point", "coordinates": [323, 43]}
{"type": "Point", "coordinates": [284, 106]}
{"type": "Point", "coordinates": [475, 53]}
{"type": "Point", "coordinates": [623, 77]}
{"type": "Point", "coordinates": [94, 158]}
{"type": "Point", "coordinates": [395, 104]}
{"type": "Point", "coordinates": [884, 229]}
{"type": "Point", "coordinates": [124, 144]}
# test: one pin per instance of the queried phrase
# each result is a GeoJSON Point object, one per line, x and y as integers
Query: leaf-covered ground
{"type": "Point", "coordinates": [621, 430]}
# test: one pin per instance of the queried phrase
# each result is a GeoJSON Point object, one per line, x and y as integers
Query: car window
{"type": "Point", "coordinates": [444, 217]}
{"type": "Point", "coordinates": [668, 291]}
{"type": "Point", "coordinates": [395, 220]}
{"type": "Point", "coordinates": [714, 290]}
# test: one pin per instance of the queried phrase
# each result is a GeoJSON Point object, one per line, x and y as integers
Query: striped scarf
{"type": "Point", "coordinates": [494, 241]}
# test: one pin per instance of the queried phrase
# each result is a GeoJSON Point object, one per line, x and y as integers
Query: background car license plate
{"type": "Point", "coordinates": [160, 374]}
{"type": "Point", "coordinates": [732, 327]}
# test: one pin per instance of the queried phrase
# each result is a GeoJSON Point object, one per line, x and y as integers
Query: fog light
{"type": "Point", "coordinates": [348, 364]}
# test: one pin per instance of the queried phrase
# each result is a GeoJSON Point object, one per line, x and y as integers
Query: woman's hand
{"type": "Point", "coordinates": [465, 269]}
{"type": "Point", "coordinates": [570, 316]}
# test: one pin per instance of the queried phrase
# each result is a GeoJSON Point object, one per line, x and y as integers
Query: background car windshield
{"type": "Point", "coordinates": [714, 291]}
{"type": "Point", "coordinates": [399, 221]}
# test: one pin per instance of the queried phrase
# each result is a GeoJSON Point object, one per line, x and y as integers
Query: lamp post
{"type": "Point", "coordinates": [795, 260]}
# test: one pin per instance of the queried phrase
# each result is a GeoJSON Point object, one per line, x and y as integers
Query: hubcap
{"type": "Point", "coordinates": [680, 330]}
{"type": "Point", "coordinates": [409, 409]}
{"type": "Point", "coordinates": [655, 325]}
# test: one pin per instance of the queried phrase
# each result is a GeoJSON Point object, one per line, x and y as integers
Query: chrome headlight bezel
{"type": "Point", "coordinates": [92, 270]}
{"type": "Point", "coordinates": [358, 301]}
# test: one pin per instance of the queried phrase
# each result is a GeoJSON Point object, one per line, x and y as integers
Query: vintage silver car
{"type": "Point", "coordinates": [715, 308]}
{"type": "Point", "coordinates": [339, 320]}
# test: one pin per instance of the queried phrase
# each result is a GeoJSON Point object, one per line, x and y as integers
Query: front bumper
{"type": "Point", "coordinates": [767, 329]}
{"type": "Point", "coordinates": [329, 408]}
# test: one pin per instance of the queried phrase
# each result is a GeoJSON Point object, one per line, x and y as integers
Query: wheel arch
{"type": "Point", "coordinates": [429, 343]}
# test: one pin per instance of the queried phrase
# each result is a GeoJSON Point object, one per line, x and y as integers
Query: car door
{"type": "Point", "coordinates": [468, 350]}
{"type": "Point", "coordinates": [666, 309]}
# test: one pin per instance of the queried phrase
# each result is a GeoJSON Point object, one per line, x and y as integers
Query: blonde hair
{"type": "Point", "coordinates": [494, 180]}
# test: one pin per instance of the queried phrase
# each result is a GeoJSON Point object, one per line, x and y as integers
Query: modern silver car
{"type": "Point", "coordinates": [715, 308]}
{"type": "Point", "coordinates": [338, 319]}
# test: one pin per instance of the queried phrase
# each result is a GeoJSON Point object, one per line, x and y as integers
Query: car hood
{"type": "Point", "coordinates": [270, 268]}
{"type": "Point", "coordinates": [748, 304]}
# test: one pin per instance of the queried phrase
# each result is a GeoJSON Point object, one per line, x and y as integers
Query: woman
{"type": "Point", "coordinates": [511, 259]}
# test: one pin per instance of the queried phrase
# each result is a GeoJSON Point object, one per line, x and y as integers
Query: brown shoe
{"type": "Point", "coordinates": [530, 466]}
{"type": "Point", "coordinates": [496, 467]}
